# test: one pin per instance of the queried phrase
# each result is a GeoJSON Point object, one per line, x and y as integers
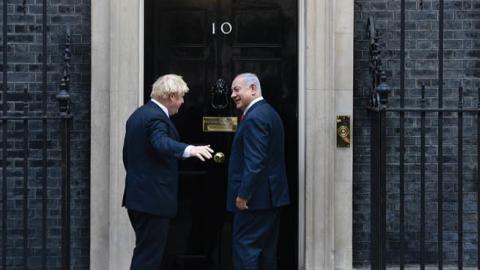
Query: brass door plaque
{"type": "Point", "coordinates": [220, 124]}
{"type": "Point", "coordinates": [343, 131]}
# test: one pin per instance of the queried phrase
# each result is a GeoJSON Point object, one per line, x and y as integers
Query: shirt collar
{"type": "Point", "coordinates": [251, 104]}
{"type": "Point", "coordinates": [164, 109]}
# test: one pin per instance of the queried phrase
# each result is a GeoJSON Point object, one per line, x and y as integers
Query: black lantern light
{"type": "Point", "coordinates": [383, 89]}
{"type": "Point", "coordinates": [63, 98]}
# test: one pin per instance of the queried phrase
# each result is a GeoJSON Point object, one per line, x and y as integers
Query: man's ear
{"type": "Point", "coordinates": [254, 89]}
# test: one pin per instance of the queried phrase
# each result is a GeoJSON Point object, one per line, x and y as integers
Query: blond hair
{"type": "Point", "coordinates": [167, 85]}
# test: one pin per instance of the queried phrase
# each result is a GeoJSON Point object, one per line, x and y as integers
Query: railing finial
{"type": "Point", "coordinates": [380, 89]}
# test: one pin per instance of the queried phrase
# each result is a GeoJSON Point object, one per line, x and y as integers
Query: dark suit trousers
{"type": "Point", "coordinates": [255, 235]}
{"type": "Point", "coordinates": [151, 237]}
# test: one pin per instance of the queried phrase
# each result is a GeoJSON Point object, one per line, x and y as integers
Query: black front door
{"type": "Point", "coordinates": [208, 42]}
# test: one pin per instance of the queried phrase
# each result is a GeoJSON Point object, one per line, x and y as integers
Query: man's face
{"type": "Point", "coordinates": [175, 102]}
{"type": "Point", "coordinates": [242, 94]}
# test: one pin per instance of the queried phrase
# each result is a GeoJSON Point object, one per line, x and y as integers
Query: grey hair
{"type": "Point", "coordinates": [169, 84]}
{"type": "Point", "coordinates": [249, 79]}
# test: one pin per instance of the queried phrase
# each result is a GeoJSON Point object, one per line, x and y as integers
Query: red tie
{"type": "Point", "coordinates": [242, 117]}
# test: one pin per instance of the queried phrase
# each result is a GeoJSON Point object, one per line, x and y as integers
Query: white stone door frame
{"type": "Point", "coordinates": [325, 90]}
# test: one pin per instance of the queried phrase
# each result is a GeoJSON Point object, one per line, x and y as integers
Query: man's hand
{"type": "Point", "coordinates": [241, 203]}
{"type": "Point", "coordinates": [202, 152]}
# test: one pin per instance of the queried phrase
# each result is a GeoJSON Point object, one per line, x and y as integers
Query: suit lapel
{"type": "Point", "coordinates": [250, 110]}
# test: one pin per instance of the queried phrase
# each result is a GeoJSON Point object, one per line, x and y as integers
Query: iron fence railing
{"type": "Point", "coordinates": [17, 137]}
{"type": "Point", "coordinates": [382, 115]}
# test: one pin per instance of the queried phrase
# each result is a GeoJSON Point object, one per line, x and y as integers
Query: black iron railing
{"type": "Point", "coordinates": [382, 114]}
{"type": "Point", "coordinates": [380, 180]}
{"type": "Point", "coordinates": [54, 126]}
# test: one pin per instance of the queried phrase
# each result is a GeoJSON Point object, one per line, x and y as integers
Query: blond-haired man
{"type": "Point", "coordinates": [150, 155]}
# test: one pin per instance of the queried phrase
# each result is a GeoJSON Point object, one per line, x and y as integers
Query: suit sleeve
{"type": "Point", "coordinates": [163, 144]}
{"type": "Point", "coordinates": [256, 138]}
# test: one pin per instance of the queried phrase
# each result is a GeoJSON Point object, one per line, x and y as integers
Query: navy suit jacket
{"type": "Point", "coordinates": [150, 155]}
{"type": "Point", "coordinates": [256, 169]}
